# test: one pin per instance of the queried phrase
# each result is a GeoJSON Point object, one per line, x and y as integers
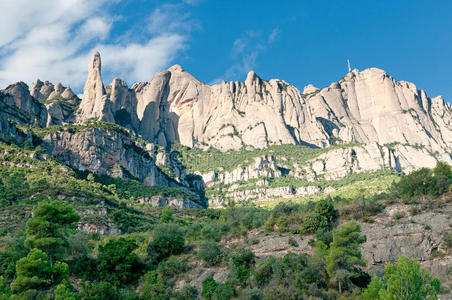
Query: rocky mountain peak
{"type": "Point", "coordinates": [310, 88]}
{"type": "Point", "coordinates": [251, 77]}
{"type": "Point", "coordinates": [95, 103]}
{"type": "Point", "coordinates": [176, 68]}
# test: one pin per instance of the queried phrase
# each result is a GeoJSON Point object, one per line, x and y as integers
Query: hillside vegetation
{"type": "Point", "coordinates": [161, 251]}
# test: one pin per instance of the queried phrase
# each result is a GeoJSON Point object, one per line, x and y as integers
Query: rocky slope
{"type": "Point", "coordinates": [417, 231]}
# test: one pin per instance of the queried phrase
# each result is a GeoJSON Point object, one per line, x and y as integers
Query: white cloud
{"type": "Point", "coordinates": [142, 61]}
{"type": "Point", "coordinates": [245, 51]}
{"type": "Point", "coordinates": [171, 18]}
{"type": "Point", "coordinates": [54, 40]}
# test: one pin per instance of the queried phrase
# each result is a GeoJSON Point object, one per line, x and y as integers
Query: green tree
{"type": "Point", "coordinates": [99, 291]}
{"type": "Point", "coordinates": [35, 272]}
{"type": "Point", "coordinates": [48, 228]}
{"type": "Point", "coordinates": [14, 249]}
{"type": "Point", "coordinates": [326, 209]}
{"type": "Point", "coordinates": [209, 288]}
{"type": "Point", "coordinates": [344, 254]}
{"type": "Point", "coordinates": [442, 169]}
{"type": "Point", "coordinates": [63, 292]}
{"type": "Point", "coordinates": [5, 292]}
{"type": "Point", "coordinates": [166, 216]}
{"type": "Point", "coordinates": [405, 280]}
{"type": "Point", "coordinates": [167, 239]}
{"type": "Point", "coordinates": [373, 289]}
{"type": "Point", "coordinates": [117, 263]}
{"type": "Point", "coordinates": [154, 287]}
{"type": "Point", "coordinates": [240, 263]}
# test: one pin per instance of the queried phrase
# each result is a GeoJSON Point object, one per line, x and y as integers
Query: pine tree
{"type": "Point", "coordinates": [405, 280]}
{"type": "Point", "coordinates": [48, 228]}
{"type": "Point", "coordinates": [344, 254]}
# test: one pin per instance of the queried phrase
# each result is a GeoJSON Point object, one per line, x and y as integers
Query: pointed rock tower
{"type": "Point", "coordinates": [95, 103]}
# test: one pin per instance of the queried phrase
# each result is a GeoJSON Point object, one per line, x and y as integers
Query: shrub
{"type": "Point", "coordinates": [292, 242]}
{"type": "Point", "coordinates": [154, 287]}
{"type": "Point", "coordinates": [186, 293]}
{"type": "Point", "coordinates": [368, 220]}
{"type": "Point", "coordinates": [172, 267]}
{"type": "Point", "coordinates": [398, 215]}
{"type": "Point", "coordinates": [218, 291]}
{"type": "Point", "coordinates": [166, 216]}
{"type": "Point", "coordinates": [425, 182]}
{"type": "Point", "coordinates": [239, 264]}
{"type": "Point", "coordinates": [99, 291]}
{"type": "Point", "coordinates": [167, 239]}
{"type": "Point", "coordinates": [117, 263]}
{"type": "Point", "coordinates": [314, 222]}
{"type": "Point", "coordinates": [448, 240]}
{"type": "Point", "coordinates": [126, 222]}
{"type": "Point", "coordinates": [325, 208]}
{"type": "Point", "coordinates": [210, 253]}
{"type": "Point", "coordinates": [209, 288]}
{"type": "Point", "coordinates": [14, 249]}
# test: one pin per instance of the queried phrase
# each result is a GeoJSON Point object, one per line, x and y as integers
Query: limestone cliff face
{"type": "Point", "coordinates": [362, 107]}
{"type": "Point", "coordinates": [112, 153]}
{"type": "Point", "coordinates": [396, 125]}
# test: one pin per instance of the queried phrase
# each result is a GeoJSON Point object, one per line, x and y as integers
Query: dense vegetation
{"type": "Point", "coordinates": [164, 253]}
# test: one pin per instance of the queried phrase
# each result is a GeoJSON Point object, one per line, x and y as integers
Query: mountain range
{"type": "Point", "coordinates": [177, 131]}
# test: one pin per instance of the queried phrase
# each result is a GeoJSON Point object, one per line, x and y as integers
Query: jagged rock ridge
{"type": "Point", "coordinates": [397, 126]}
{"type": "Point", "coordinates": [362, 107]}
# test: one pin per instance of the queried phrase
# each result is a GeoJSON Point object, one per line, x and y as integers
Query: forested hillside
{"type": "Point", "coordinates": [67, 234]}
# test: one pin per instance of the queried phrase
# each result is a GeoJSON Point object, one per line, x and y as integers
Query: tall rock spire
{"type": "Point", "coordinates": [95, 103]}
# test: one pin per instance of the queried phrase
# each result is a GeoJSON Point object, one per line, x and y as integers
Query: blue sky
{"type": "Point", "coordinates": [301, 42]}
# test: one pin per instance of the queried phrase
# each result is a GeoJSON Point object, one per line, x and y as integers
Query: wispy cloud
{"type": "Point", "coordinates": [273, 35]}
{"type": "Point", "coordinates": [245, 52]}
{"type": "Point", "coordinates": [54, 39]}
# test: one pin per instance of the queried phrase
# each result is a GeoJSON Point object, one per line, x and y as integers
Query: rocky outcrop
{"type": "Point", "coordinates": [381, 123]}
{"type": "Point", "coordinates": [60, 102]}
{"type": "Point", "coordinates": [110, 152]}
{"type": "Point", "coordinates": [260, 192]}
{"type": "Point", "coordinates": [159, 201]}
{"type": "Point", "coordinates": [104, 152]}
{"type": "Point", "coordinates": [18, 96]}
{"type": "Point", "coordinates": [363, 107]}
{"type": "Point", "coordinates": [421, 236]}
{"type": "Point", "coordinates": [95, 103]}
{"type": "Point", "coordinates": [47, 91]}
{"type": "Point", "coordinates": [264, 166]}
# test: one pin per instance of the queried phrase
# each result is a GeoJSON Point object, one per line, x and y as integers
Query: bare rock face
{"type": "Point", "coordinates": [123, 104]}
{"type": "Point", "coordinates": [420, 236]}
{"type": "Point", "coordinates": [41, 90]}
{"type": "Point", "coordinates": [47, 91]}
{"type": "Point", "coordinates": [18, 95]}
{"type": "Point", "coordinates": [363, 107]}
{"type": "Point", "coordinates": [95, 104]}
{"type": "Point", "coordinates": [60, 102]}
{"type": "Point", "coordinates": [112, 153]}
